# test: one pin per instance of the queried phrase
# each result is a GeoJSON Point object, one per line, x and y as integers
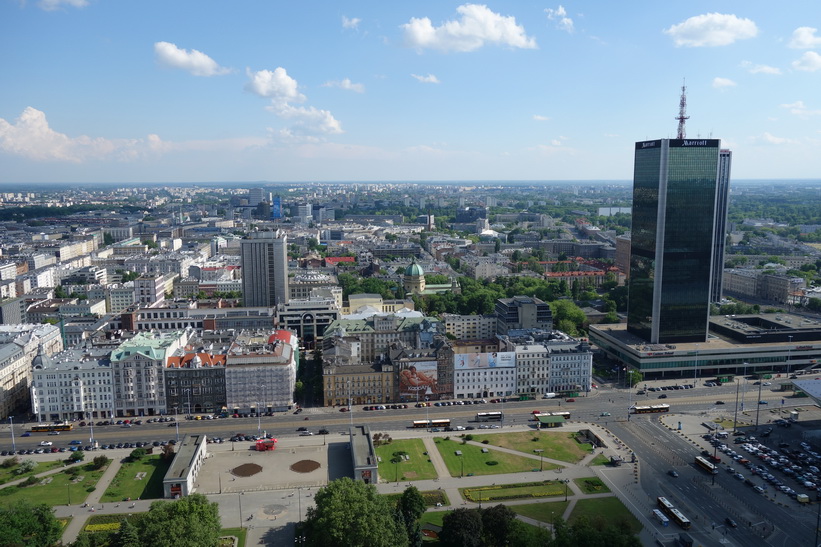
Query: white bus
{"type": "Point", "coordinates": [661, 518]}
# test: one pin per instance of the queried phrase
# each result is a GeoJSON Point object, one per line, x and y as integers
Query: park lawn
{"type": "Point", "coordinates": [7, 473]}
{"type": "Point", "coordinates": [473, 460]}
{"type": "Point", "coordinates": [556, 445]}
{"type": "Point", "coordinates": [543, 512]}
{"type": "Point", "coordinates": [126, 484]}
{"type": "Point", "coordinates": [432, 497]}
{"type": "Point", "coordinates": [591, 485]}
{"type": "Point", "coordinates": [600, 459]}
{"type": "Point", "coordinates": [433, 517]}
{"type": "Point", "coordinates": [60, 488]}
{"type": "Point", "coordinates": [526, 490]}
{"type": "Point", "coordinates": [417, 467]}
{"type": "Point", "coordinates": [610, 510]}
{"type": "Point", "coordinates": [239, 533]}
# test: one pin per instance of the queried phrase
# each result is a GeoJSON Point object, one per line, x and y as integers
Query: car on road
{"type": "Point", "coordinates": [45, 443]}
{"type": "Point", "coordinates": [344, 409]}
{"type": "Point", "coordinates": [663, 396]}
{"type": "Point", "coordinates": [763, 402]}
{"type": "Point", "coordinates": [570, 400]}
{"type": "Point", "coordinates": [305, 433]}
{"type": "Point", "coordinates": [731, 523]}
{"type": "Point", "coordinates": [719, 402]}
{"type": "Point", "coordinates": [673, 473]}
{"type": "Point", "coordinates": [75, 441]}
{"type": "Point", "coordinates": [604, 414]}
{"type": "Point", "coordinates": [323, 431]}
{"type": "Point", "coordinates": [53, 432]}
{"type": "Point", "coordinates": [26, 434]}
{"type": "Point", "coordinates": [767, 384]}
{"type": "Point", "coordinates": [302, 429]}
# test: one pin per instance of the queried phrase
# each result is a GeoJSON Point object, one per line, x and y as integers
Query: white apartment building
{"type": "Point", "coordinates": [469, 327]}
{"type": "Point", "coordinates": [480, 375]}
{"type": "Point", "coordinates": [260, 372]}
{"type": "Point", "coordinates": [554, 367]}
{"type": "Point", "coordinates": [72, 385]}
{"type": "Point", "coordinates": [19, 345]}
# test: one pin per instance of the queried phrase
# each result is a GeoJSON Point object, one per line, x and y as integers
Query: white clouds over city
{"type": "Point", "coordinates": [760, 69]}
{"type": "Point", "coordinates": [809, 62]}
{"type": "Point", "coordinates": [51, 5]}
{"type": "Point", "coordinates": [723, 83]}
{"type": "Point", "coordinates": [712, 29]}
{"type": "Point", "coordinates": [31, 137]}
{"type": "Point", "coordinates": [193, 61]}
{"type": "Point", "coordinates": [801, 110]}
{"type": "Point", "coordinates": [429, 79]}
{"type": "Point", "coordinates": [805, 38]}
{"type": "Point", "coordinates": [477, 26]}
{"type": "Point", "coordinates": [559, 16]}
{"type": "Point", "coordinates": [351, 22]}
{"type": "Point", "coordinates": [346, 84]}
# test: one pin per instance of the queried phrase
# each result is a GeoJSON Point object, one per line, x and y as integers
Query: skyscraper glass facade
{"type": "Point", "coordinates": [674, 201]}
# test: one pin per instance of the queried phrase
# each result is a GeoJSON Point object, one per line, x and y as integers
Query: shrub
{"type": "Point", "coordinates": [469, 437]}
{"type": "Point", "coordinates": [486, 441]}
{"type": "Point", "coordinates": [91, 489]}
{"type": "Point", "coordinates": [491, 462]}
{"type": "Point", "coordinates": [31, 481]}
{"type": "Point", "coordinates": [10, 462]}
{"type": "Point", "coordinates": [26, 466]}
{"type": "Point", "coordinates": [100, 461]}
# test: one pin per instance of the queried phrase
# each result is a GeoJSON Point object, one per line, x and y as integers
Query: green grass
{"type": "Point", "coordinates": [418, 467]}
{"type": "Point", "coordinates": [433, 517]}
{"type": "Point", "coordinates": [58, 490]}
{"type": "Point", "coordinates": [543, 512]}
{"type": "Point", "coordinates": [560, 446]}
{"type": "Point", "coordinates": [7, 474]}
{"type": "Point", "coordinates": [600, 459]}
{"type": "Point", "coordinates": [432, 497]}
{"type": "Point", "coordinates": [591, 485]}
{"type": "Point", "coordinates": [475, 461]}
{"type": "Point", "coordinates": [526, 490]}
{"type": "Point", "coordinates": [240, 533]}
{"type": "Point", "coordinates": [607, 510]}
{"type": "Point", "coordinates": [126, 485]}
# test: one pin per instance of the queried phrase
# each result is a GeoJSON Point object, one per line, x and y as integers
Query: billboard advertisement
{"type": "Point", "coordinates": [418, 380]}
{"type": "Point", "coordinates": [470, 361]}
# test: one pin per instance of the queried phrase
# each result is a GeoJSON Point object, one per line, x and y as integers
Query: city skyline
{"type": "Point", "coordinates": [426, 91]}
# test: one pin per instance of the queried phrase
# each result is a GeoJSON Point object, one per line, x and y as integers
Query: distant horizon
{"type": "Point", "coordinates": [27, 186]}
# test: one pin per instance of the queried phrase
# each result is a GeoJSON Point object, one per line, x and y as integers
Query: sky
{"type": "Point", "coordinates": [261, 90]}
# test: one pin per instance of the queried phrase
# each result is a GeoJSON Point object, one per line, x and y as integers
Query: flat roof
{"type": "Point", "coordinates": [362, 449]}
{"type": "Point", "coordinates": [184, 459]}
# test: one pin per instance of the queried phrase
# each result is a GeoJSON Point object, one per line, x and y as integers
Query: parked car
{"type": "Point", "coordinates": [570, 400]}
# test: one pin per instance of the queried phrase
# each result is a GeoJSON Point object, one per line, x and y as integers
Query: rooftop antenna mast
{"type": "Point", "coordinates": [682, 113]}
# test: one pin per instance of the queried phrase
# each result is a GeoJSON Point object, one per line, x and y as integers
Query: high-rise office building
{"type": "Point", "coordinates": [725, 158]}
{"type": "Point", "coordinates": [675, 182]}
{"type": "Point", "coordinates": [264, 260]}
{"type": "Point", "coordinates": [257, 196]}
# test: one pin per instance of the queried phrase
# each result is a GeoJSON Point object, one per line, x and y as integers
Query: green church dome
{"type": "Point", "coordinates": [414, 270]}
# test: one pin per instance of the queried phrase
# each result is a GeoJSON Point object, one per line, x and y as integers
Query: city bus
{"type": "Point", "coordinates": [650, 408]}
{"type": "Point", "coordinates": [707, 466]}
{"type": "Point", "coordinates": [665, 505]}
{"type": "Point", "coordinates": [661, 518]}
{"type": "Point", "coordinates": [430, 423]}
{"type": "Point", "coordinates": [679, 518]}
{"type": "Point", "coordinates": [489, 416]}
{"type": "Point", "coordinates": [45, 428]}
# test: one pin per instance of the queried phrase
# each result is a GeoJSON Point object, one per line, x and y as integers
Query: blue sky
{"type": "Point", "coordinates": [253, 90]}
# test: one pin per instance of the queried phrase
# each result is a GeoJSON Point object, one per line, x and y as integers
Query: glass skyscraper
{"type": "Point", "coordinates": [675, 185]}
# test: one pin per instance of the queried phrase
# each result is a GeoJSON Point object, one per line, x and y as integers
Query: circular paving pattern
{"type": "Point", "coordinates": [246, 470]}
{"type": "Point", "coordinates": [305, 466]}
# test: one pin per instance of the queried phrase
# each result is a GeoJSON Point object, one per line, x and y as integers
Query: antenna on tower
{"type": "Point", "coordinates": [682, 112]}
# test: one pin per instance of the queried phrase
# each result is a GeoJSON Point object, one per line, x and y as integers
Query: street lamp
{"type": "Point", "coordinates": [91, 423]}
{"type": "Point", "coordinates": [758, 406]}
{"type": "Point", "coordinates": [13, 445]}
{"type": "Point", "coordinates": [177, 424]}
{"type": "Point", "coordinates": [565, 481]}
{"type": "Point", "coordinates": [541, 458]}
{"type": "Point", "coordinates": [188, 393]}
{"type": "Point", "coordinates": [789, 350]}
{"type": "Point", "coordinates": [735, 417]}
{"type": "Point", "coordinates": [462, 459]}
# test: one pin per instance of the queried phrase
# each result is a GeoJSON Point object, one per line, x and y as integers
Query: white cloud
{"type": "Point", "coordinates": [31, 137]}
{"type": "Point", "coordinates": [722, 83]}
{"type": "Point", "coordinates": [805, 38]}
{"type": "Point", "coordinates": [478, 26]}
{"type": "Point", "coordinates": [346, 84]}
{"type": "Point", "coordinates": [306, 122]}
{"type": "Point", "coordinates": [800, 109]}
{"type": "Point", "coordinates": [712, 29]}
{"type": "Point", "coordinates": [193, 61]}
{"type": "Point", "coordinates": [767, 138]}
{"type": "Point", "coordinates": [429, 79]}
{"type": "Point", "coordinates": [51, 5]}
{"type": "Point", "coordinates": [809, 62]}
{"type": "Point", "coordinates": [352, 22]}
{"type": "Point", "coordinates": [276, 85]}
{"type": "Point", "coordinates": [560, 16]}
{"type": "Point", "coordinates": [760, 69]}
{"type": "Point", "coordinates": [540, 118]}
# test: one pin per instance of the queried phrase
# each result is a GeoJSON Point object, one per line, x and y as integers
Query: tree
{"type": "Point", "coordinates": [168, 452]}
{"type": "Point", "coordinates": [23, 523]}
{"type": "Point", "coordinates": [462, 528]}
{"type": "Point", "coordinates": [190, 521]}
{"type": "Point", "coordinates": [352, 513]}
{"type": "Point", "coordinates": [77, 457]}
{"type": "Point", "coordinates": [633, 377]}
{"type": "Point", "coordinates": [137, 454]}
{"type": "Point", "coordinates": [127, 536]}
{"type": "Point", "coordinates": [410, 508]}
{"type": "Point", "coordinates": [497, 523]}
{"type": "Point", "coordinates": [100, 461]}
